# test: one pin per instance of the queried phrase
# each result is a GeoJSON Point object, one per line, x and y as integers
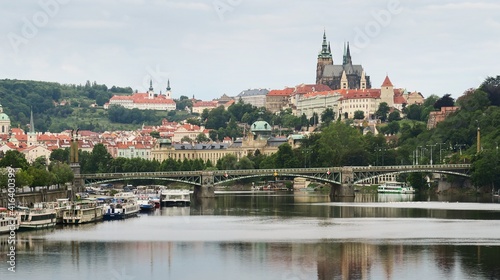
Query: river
{"type": "Point", "coordinates": [245, 235]}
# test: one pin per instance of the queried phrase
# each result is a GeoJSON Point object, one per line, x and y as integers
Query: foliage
{"type": "Point", "coordinates": [445, 101]}
{"type": "Point", "coordinates": [382, 111]}
{"type": "Point", "coordinates": [14, 159]}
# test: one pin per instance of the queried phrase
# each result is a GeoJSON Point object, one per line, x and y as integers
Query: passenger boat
{"type": "Point", "coordinates": [59, 206]}
{"type": "Point", "coordinates": [8, 222]}
{"type": "Point", "coordinates": [395, 187]}
{"type": "Point", "coordinates": [145, 203]}
{"type": "Point", "coordinates": [124, 205]}
{"type": "Point", "coordinates": [175, 198]}
{"type": "Point", "coordinates": [37, 217]}
{"type": "Point", "coordinates": [81, 212]}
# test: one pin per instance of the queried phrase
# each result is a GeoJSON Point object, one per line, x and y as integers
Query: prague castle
{"type": "Point", "coordinates": [342, 76]}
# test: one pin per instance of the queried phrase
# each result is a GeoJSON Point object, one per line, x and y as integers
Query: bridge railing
{"type": "Point", "coordinates": [271, 171]}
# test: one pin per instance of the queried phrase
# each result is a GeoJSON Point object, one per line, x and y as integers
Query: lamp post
{"type": "Point", "coordinates": [431, 150]}
{"type": "Point", "coordinates": [440, 158]}
{"type": "Point", "coordinates": [418, 155]}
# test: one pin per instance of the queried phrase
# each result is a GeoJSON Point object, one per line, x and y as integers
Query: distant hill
{"type": "Point", "coordinates": [51, 102]}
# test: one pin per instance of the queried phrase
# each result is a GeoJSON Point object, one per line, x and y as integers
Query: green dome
{"type": "Point", "coordinates": [4, 117]}
{"type": "Point", "coordinates": [164, 141]}
{"type": "Point", "coordinates": [260, 126]}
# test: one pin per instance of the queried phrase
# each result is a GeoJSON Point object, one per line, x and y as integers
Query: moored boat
{"type": "Point", "coordinates": [9, 220]}
{"type": "Point", "coordinates": [123, 205]}
{"type": "Point", "coordinates": [175, 198]}
{"type": "Point", "coordinates": [38, 217]}
{"type": "Point", "coordinates": [145, 203]}
{"type": "Point", "coordinates": [395, 187]}
{"type": "Point", "coordinates": [84, 211]}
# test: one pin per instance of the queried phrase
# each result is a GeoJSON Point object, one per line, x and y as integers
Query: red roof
{"type": "Point", "coordinates": [387, 82]}
{"type": "Point", "coordinates": [281, 92]}
{"type": "Point", "coordinates": [359, 93]}
{"type": "Point", "coordinates": [206, 104]}
{"type": "Point", "coordinates": [303, 88]}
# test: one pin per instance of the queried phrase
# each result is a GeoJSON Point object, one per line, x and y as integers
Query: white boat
{"type": "Point", "coordinates": [146, 203]}
{"type": "Point", "coordinates": [37, 217]}
{"type": "Point", "coordinates": [124, 205]}
{"type": "Point", "coordinates": [175, 198]}
{"type": "Point", "coordinates": [85, 211]}
{"type": "Point", "coordinates": [8, 222]}
{"type": "Point", "coordinates": [59, 206]}
{"type": "Point", "coordinates": [395, 187]}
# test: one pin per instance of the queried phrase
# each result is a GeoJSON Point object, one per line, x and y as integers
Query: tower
{"type": "Point", "coordinates": [387, 92]}
{"type": "Point", "coordinates": [324, 58]}
{"type": "Point", "coordinates": [168, 93]}
{"type": "Point", "coordinates": [362, 83]}
{"type": "Point", "coordinates": [344, 83]}
{"type": "Point", "coordinates": [151, 93]}
{"type": "Point", "coordinates": [347, 56]}
{"type": "Point", "coordinates": [32, 134]}
{"type": "Point", "coordinates": [4, 122]}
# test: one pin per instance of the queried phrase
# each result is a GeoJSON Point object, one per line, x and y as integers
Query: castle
{"type": "Point", "coordinates": [344, 76]}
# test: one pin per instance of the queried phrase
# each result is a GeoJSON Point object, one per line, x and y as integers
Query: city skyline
{"type": "Point", "coordinates": [209, 48]}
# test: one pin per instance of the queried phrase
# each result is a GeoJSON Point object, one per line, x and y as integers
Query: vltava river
{"type": "Point", "coordinates": [275, 236]}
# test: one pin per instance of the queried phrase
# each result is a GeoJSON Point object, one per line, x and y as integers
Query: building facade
{"type": "Point", "coordinates": [340, 76]}
{"type": "Point", "coordinates": [145, 101]}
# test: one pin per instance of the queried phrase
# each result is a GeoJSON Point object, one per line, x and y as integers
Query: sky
{"type": "Point", "coordinates": [207, 48]}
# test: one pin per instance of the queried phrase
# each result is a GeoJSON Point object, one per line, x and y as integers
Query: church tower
{"type": "Point", "coordinates": [32, 134]}
{"type": "Point", "coordinates": [387, 92]}
{"type": "Point", "coordinates": [324, 58]}
{"type": "Point", "coordinates": [168, 93]}
{"type": "Point", "coordinates": [362, 83]}
{"type": "Point", "coordinates": [151, 93]}
{"type": "Point", "coordinates": [4, 122]}
{"type": "Point", "coordinates": [344, 83]}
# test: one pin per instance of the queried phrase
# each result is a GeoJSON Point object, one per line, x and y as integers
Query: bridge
{"type": "Point", "coordinates": [342, 179]}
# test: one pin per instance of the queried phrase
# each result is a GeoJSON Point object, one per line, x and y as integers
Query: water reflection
{"type": "Point", "coordinates": [327, 259]}
{"type": "Point", "coordinates": [274, 236]}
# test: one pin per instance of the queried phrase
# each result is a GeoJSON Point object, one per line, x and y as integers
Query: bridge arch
{"type": "Point", "coordinates": [88, 184]}
{"type": "Point", "coordinates": [447, 172]}
{"type": "Point", "coordinates": [312, 177]}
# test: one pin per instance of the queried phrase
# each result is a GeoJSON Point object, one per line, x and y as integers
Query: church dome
{"type": "Point", "coordinates": [260, 126]}
{"type": "Point", "coordinates": [4, 117]}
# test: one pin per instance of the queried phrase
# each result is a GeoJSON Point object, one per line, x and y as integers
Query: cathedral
{"type": "Point", "coordinates": [344, 76]}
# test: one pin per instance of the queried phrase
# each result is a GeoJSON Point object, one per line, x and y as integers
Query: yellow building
{"type": "Point", "coordinates": [259, 138]}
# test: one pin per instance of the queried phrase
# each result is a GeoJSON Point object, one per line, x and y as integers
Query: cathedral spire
{"type": "Point", "coordinates": [348, 55]}
{"type": "Point", "coordinates": [344, 59]}
{"type": "Point", "coordinates": [168, 85]}
{"type": "Point", "coordinates": [324, 46]}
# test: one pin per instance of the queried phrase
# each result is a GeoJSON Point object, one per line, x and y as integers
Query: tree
{"type": "Point", "coordinates": [359, 115]}
{"type": "Point", "coordinates": [227, 162]}
{"type": "Point", "coordinates": [62, 172]}
{"type": "Point", "coordinates": [155, 134]}
{"type": "Point", "coordinates": [202, 137]}
{"type": "Point", "coordinates": [382, 111]}
{"type": "Point", "coordinates": [327, 116]}
{"type": "Point", "coordinates": [61, 155]}
{"type": "Point", "coordinates": [486, 170]}
{"type": "Point", "coordinates": [244, 163]}
{"type": "Point", "coordinates": [41, 177]}
{"type": "Point", "coordinates": [445, 101]}
{"type": "Point", "coordinates": [186, 139]}
{"type": "Point", "coordinates": [491, 86]}
{"type": "Point", "coordinates": [14, 159]}
{"type": "Point", "coordinates": [394, 116]}
{"type": "Point", "coordinates": [285, 158]}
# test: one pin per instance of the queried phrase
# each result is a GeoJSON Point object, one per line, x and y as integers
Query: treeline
{"type": "Point", "coordinates": [19, 97]}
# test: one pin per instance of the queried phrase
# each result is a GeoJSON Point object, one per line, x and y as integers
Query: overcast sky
{"type": "Point", "coordinates": [211, 47]}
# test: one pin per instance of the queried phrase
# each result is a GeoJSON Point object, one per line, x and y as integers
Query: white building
{"type": "Point", "coordinates": [145, 101]}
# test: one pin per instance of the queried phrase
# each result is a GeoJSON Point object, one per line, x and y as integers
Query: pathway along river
{"type": "Point", "coordinates": [244, 235]}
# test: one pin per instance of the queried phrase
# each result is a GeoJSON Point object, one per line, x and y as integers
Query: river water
{"type": "Point", "coordinates": [243, 235]}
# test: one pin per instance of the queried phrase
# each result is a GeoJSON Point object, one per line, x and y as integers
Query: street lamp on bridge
{"type": "Point", "coordinates": [431, 151]}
